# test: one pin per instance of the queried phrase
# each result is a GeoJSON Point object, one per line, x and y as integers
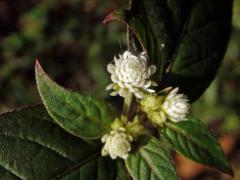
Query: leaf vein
{"type": "Point", "coordinates": [39, 143]}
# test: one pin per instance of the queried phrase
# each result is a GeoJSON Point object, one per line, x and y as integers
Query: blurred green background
{"type": "Point", "coordinates": [68, 38]}
{"type": "Point", "coordinates": [73, 46]}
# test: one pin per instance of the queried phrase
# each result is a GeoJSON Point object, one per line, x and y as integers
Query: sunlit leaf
{"type": "Point", "coordinates": [193, 139]}
{"type": "Point", "coordinates": [78, 114]}
{"type": "Point", "coordinates": [151, 161]}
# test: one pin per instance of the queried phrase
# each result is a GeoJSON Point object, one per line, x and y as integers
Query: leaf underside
{"type": "Point", "coordinates": [32, 146]}
{"type": "Point", "coordinates": [82, 116]}
{"type": "Point", "coordinates": [193, 139]}
{"type": "Point", "coordinates": [151, 162]}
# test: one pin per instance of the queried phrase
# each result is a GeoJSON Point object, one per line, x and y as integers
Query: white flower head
{"type": "Point", "coordinates": [131, 73]}
{"type": "Point", "coordinates": [170, 105]}
{"type": "Point", "coordinates": [176, 106]}
{"type": "Point", "coordinates": [117, 144]}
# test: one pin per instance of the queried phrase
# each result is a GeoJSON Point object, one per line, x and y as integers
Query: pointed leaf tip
{"type": "Point", "coordinates": [38, 67]}
{"type": "Point", "coordinates": [80, 115]}
{"type": "Point", "coordinates": [107, 18]}
{"type": "Point", "coordinates": [115, 15]}
{"type": "Point", "coordinates": [37, 63]}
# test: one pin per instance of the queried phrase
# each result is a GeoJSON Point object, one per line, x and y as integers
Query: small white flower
{"type": "Point", "coordinates": [176, 106]}
{"type": "Point", "coordinates": [131, 74]}
{"type": "Point", "coordinates": [117, 144]}
{"type": "Point", "coordinates": [168, 106]}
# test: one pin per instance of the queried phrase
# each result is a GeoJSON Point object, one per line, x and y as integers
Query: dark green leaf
{"type": "Point", "coordinates": [99, 169]}
{"type": "Point", "coordinates": [185, 39]}
{"type": "Point", "coordinates": [201, 46]}
{"type": "Point", "coordinates": [32, 146]}
{"type": "Point", "coordinates": [193, 139]}
{"type": "Point", "coordinates": [6, 174]}
{"type": "Point", "coordinates": [82, 116]}
{"type": "Point", "coordinates": [151, 161]}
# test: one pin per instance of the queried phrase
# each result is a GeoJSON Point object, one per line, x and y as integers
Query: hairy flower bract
{"type": "Point", "coordinates": [131, 74]}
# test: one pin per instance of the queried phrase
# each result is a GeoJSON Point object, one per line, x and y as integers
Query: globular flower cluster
{"type": "Point", "coordinates": [130, 74]}
{"type": "Point", "coordinates": [117, 143]}
{"type": "Point", "coordinates": [172, 106]}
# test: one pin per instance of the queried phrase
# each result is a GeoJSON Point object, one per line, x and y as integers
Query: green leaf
{"type": "Point", "coordinates": [6, 175]}
{"type": "Point", "coordinates": [201, 46]}
{"type": "Point", "coordinates": [186, 39]}
{"type": "Point", "coordinates": [80, 115]}
{"type": "Point", "coordinates": [32, 146]}
{"type": "Point", "coordinates": [99, 169]}
{"type": "Point", "coordinates": [193, 139]}
{"type": "Point", "coordinates": [151, 161]}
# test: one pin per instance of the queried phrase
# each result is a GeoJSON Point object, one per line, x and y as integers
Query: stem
{"type": "Point", "coordinates": [127, 105]}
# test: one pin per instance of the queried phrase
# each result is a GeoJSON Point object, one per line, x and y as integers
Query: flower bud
{"type": "Point", "coordinates": [170, 105]}
{"type": "Point", "coordinates": [117, 144]}
{"type": "Point", "coordinates": [134, 128]}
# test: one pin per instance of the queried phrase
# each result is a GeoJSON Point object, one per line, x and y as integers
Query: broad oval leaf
{"type": "Point", "coordinates": [151, 161]}
{"type": "Point", "coordinates": [194, 140]}
{"type": "Point", "coordinates": [82, 116]}
{"type": "Point", "coordinates": [32, 146]}
{"type": "Point", "coordinates": [186, 39]}
{"type": "Point", "coordinates": [201, 46]}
